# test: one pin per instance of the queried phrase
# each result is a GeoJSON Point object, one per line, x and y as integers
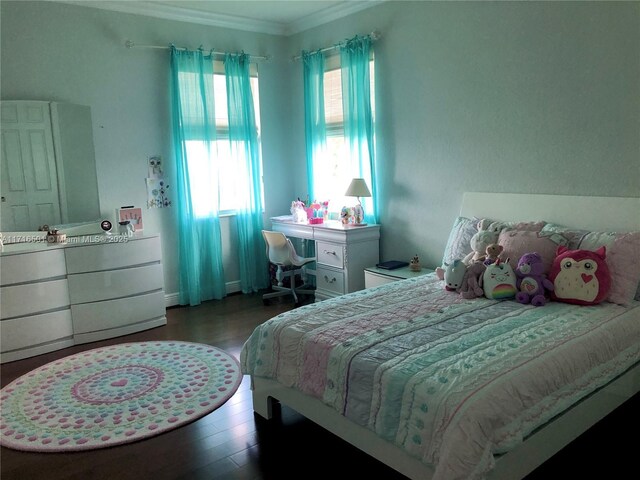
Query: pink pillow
{"type": "Point", "coordinates": [518, 242]}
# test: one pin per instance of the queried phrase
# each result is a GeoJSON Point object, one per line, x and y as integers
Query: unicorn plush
{"type": "Point", "coordinates": [452, 275]}
{"type": "Point", "coordinates": [499, 281]}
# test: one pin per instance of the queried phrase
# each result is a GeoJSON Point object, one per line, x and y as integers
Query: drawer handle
{"type": "Point", "coordinates": [326, 279]}
{"type": "Point", "coordinates": [328, 252]}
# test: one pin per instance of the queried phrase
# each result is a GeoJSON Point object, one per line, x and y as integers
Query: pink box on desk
{"type": "Point", "coordinates": [315, 221]}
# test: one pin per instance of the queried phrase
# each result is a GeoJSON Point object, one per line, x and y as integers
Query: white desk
{"type": "Point", "coordinates": [342, 253]}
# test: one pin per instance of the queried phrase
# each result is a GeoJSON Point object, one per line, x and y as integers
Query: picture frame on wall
{"type": "Point", "coordinates": [133, 215]}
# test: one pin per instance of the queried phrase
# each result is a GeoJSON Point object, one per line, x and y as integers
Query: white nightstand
{"type": "Point", "coordinates": [374, 276]}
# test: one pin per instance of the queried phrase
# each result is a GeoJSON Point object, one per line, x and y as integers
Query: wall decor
{"type": "Point", "coordinates": [155, 166]}
{"type": "Point", "coordinates": [157, 193]}
{"type": "Point", "coordinates": [131, 213]}
{"type": "Point", "coordinates": [156, 186]}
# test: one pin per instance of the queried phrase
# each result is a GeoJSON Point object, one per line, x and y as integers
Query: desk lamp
{"type": "Point", "coordinates": [358, 188]}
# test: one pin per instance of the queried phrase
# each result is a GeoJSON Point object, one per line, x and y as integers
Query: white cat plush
{"type": "Point", "coordinates": [499, 281]}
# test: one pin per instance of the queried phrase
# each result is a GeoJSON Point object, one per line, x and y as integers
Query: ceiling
{"type": "Point", "coordinates": [279, 17]}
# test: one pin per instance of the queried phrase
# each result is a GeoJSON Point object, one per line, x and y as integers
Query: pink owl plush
{"type": "Point", "coordinates": [580, 276]}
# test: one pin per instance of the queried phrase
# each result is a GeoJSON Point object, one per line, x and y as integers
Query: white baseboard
{"type": "Point", "coordinates": [171, 299]}
{"type": "Point", "coordinates": [233, 287]}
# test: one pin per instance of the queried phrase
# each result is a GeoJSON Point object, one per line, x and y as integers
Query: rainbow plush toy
{"type": "Point", "coordinates": [499, 281]}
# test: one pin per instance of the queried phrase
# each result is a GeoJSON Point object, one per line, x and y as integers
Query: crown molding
{"type": "Point", "coordinates": [329, 15]}
{"type": "Point", "coordinates": [170, 12]}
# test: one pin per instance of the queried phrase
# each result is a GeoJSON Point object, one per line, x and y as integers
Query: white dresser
{"type": "Point", "coordinates": [35, 314]}
{"type": "Point", "coordinates": [342, 253]}
{"type": "Point", "coordinates": [55, 296]}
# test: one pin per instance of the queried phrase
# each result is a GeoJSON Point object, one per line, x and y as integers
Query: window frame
{"type": "Point", "coordinates": [222, 135]}
{"type": "Point", "coordinates": [335, 130]}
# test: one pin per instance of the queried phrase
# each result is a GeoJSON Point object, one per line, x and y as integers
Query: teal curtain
{"type": "Point", "coordinates": [245, 150]}
{"type": "Point", "coordinates": [358, 119]}
{"type": "Point", "coordinates": [314, 119]}
{"type": "Point", "coordinates": [194, 136]}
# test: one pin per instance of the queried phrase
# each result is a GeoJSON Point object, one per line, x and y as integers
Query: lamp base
{"type": "Point", "coordinates": [357, 225]}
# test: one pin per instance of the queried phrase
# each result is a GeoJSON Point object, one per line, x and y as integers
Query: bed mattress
{"type": "Point", "coordinates": [449, 380]}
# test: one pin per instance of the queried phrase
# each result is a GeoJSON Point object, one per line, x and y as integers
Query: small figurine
{"type": "Point", "coordinates": [345, 216]}
{"type": "Point", "coordinates": [414, 264]}
{"type": "Point", "coordinates": [54, 236]}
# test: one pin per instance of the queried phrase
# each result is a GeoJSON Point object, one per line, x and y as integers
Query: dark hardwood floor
{"type": "Point", "coordinates": [232, 443]}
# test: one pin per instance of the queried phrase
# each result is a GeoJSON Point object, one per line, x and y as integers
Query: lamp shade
{"type": "Point", "coordinates": [357, 188]}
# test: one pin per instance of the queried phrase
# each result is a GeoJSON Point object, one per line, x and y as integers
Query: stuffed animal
{"type": "Point", "coordinates": [470, 287]}
{"type": "Point", "coordinates": [580, 276]}
{"type": "Point", "coordinates": [453, 275]}
{"type": "Point", "coordinates": [499, 281]}
{"type": "Point", "coordinates": [493, 251]}
{"type": "Point", "coordinates": [532, 284]}
{"type": "Point", "coordinates": [486, 235]}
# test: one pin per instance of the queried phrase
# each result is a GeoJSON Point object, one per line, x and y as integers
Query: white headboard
{"type": "Point", "coordinates": [591, 213]}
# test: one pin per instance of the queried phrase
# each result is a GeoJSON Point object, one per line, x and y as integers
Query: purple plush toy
{"type": "Point", "coordinates": [532, 283]}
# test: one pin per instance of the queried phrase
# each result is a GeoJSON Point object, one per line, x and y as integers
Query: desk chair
{"type": "Point", "coordinates": [281, 252]}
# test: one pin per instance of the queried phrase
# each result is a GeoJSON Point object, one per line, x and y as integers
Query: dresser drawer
{"type": "Point", "coordinates": [19, 300]}
{"type": "Point", "coordinates": [330, 254]}
{"type": "Point", "coordinates": [108, 256]}
{"type": "Point", "coordinates": [30, 267]}
{"type": "Point", "coordinates": [36, 330]}
{"type": "Point", "coordinates": [92, 287]}
{"type": "Point", "coordinates": [91, 317]}
{"type": "Point", "coordinates": [330, 280]}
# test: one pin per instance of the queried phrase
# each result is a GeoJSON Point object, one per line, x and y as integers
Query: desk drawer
{"type": "Point", "coordinates": [330, 254]}
{"type": "Point", "coordinates": [330, 280]}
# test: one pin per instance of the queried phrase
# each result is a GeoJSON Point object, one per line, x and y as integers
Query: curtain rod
{"type": "Point", "coordinates": [130, 44]}
{"type": "Point", "coordinates": [375, 35]}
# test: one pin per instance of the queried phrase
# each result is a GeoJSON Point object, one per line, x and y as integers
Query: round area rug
{"type": "Point", "coordinates": [114, 395]}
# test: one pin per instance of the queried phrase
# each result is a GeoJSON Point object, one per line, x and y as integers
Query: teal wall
{"type": "Point", "coordinates": [479, 96]}
{"type": "Point", "coordinates": [521, 97]}
{"type": "Point", "coordinates": [69, 53]}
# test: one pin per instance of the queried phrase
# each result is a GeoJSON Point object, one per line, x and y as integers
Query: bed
{"type": "Point", "coordinates": [439, 387]}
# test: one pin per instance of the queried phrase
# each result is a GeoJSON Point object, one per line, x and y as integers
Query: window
{"type": "Point", "coordinates": [211, 163]}
{"type": "Point", "coordinates": [332, 180]}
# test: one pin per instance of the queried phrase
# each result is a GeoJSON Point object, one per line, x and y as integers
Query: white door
{"type": "Point", "coordinates": [29, 185]}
